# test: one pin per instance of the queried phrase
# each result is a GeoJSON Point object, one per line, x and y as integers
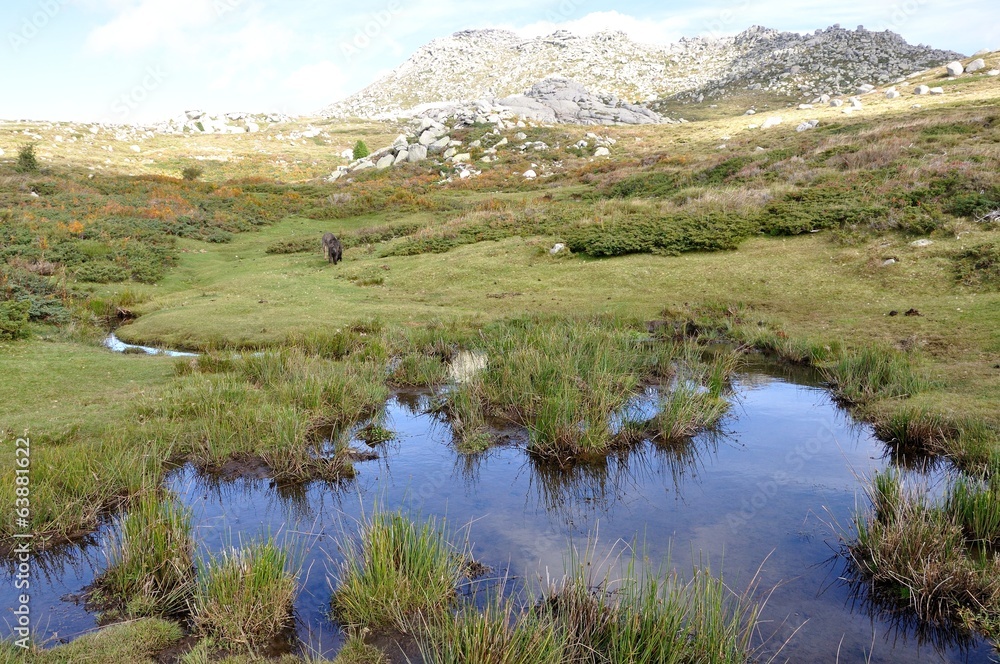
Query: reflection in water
{"type": "Point", "coordinates": [766, 491]}
{"type": "Point", "coordinates": [899, 621]}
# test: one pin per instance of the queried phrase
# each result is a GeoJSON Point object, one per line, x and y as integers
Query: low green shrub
{"type": "Point", "coordinates": [979, 266]}
{"type": "Point", "coordinates": [101, 272]}
{"type": "Point", "coordinates": [192, 173]}
{"type": "Point", "coordinates": [294, 246]}
{"type": "Point", "coordinates": [647, 185]}
{"type": "Point", "coordinates": [27, 160]}
{"type": "Point", "coordinates": [14, 319]}
{"type": "Point", "coordinates": [666, 234]}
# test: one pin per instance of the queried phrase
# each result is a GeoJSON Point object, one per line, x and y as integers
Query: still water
{"type": "Point", "coordinates": [767, 495]}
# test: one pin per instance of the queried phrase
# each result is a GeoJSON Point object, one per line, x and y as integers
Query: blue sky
{"type": "Point", "coordinates": [143, 60]}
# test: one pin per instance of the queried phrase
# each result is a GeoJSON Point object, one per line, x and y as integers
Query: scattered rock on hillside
{"type": "Point", "coordinates": [553, 100]}
{"type": "Point", "coordinates": [564, 100]}
{"type": "Point", "coordinates": [416, 153]}
{"type": "Point", "coordinates": [975, 65]}
{"type": "Point", "coordinates": [954, 68]}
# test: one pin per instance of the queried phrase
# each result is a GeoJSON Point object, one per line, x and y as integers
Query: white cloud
{"type": "Point", "coordinates": [148, 23]}
{"type": "Point", "coordinates": [315, 85]}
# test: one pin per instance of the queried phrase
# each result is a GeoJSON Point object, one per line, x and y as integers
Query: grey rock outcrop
{"type": "Point", "coordinates": [476, 65]}
{"type": "Point", "coordinates": [416, 153]}
{"type": "Point", "coordinates": [563, 100]}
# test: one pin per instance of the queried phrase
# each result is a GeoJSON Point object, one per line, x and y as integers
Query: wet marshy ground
{"type": "Point", "coordinates": [772, 490]}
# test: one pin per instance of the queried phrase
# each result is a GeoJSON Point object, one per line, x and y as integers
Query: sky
{"type": "Point", "coordinates": [148, 60]}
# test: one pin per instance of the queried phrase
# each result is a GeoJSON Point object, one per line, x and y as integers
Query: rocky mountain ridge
{"type": "Point", "coordinates": [494, 64]}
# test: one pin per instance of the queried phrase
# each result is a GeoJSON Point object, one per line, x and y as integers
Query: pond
{"type": "Point", "coordinates": [772, 490]}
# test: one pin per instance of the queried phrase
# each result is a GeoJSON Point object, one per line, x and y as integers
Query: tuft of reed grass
{"type": "Point", "coordinates": [562, 379]}
{"type": "Point", "coordinates": [648, 617]}
{"type": "Point", "coordinates": [684, 411]}
{"type": "Point", "coordinates": [268, 406]}
{"type": "Point", "coordinates": [874, 372]}
{"type": "Point", "coordinates": [975, 505]}
{"type": "Point", "coordinates": [418, 370]}
{"type": "Point", "coordinates": [151, 559]}
{"type": "Point", "coordinates": [915, 432]}
{"type": "Point", "coordinates": [397, 572]}
{"type": "Point", "coordinates": [886, 495]}
{"type": "Point", "coordinates": [244, 596]}
{"type": "Point", "coordinates": [499, 634]}
{"type": "Point", "coordinates": [916, 554]}
{"type": "Point", "coordinates": [356, 651]}
{"type": "Point", "coordinates": [464, 411]}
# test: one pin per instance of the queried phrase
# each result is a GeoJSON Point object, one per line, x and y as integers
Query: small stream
{"type": "Point", "coordinates": [771, 490]}
{"type": "Point", "coordinates": [113, 343]}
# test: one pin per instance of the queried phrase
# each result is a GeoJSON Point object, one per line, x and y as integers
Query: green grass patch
{"type": "Point", "coordinates": [397, 573]}
{"type": "Point", "coordinates": [151, 560]}
{"type": "Point", "coordinates": [135, 642]}
{"type": "Point", "coordinates": [871, 373]}
{"type": "Point", "coordinates": [499, 634]}
{"type": "Point", "coordinates": [244, 596]}
{"type": "Point", "coordinates": [418, 370]}
{"type": "Point", "coordinates": [561, 379]}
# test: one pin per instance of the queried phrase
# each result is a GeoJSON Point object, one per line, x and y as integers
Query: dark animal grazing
{"type": "Point", "coordinates": [333, 251]}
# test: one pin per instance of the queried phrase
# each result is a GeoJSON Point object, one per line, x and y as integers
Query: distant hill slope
{"type": "Point", "coordinates": [477, 64]}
